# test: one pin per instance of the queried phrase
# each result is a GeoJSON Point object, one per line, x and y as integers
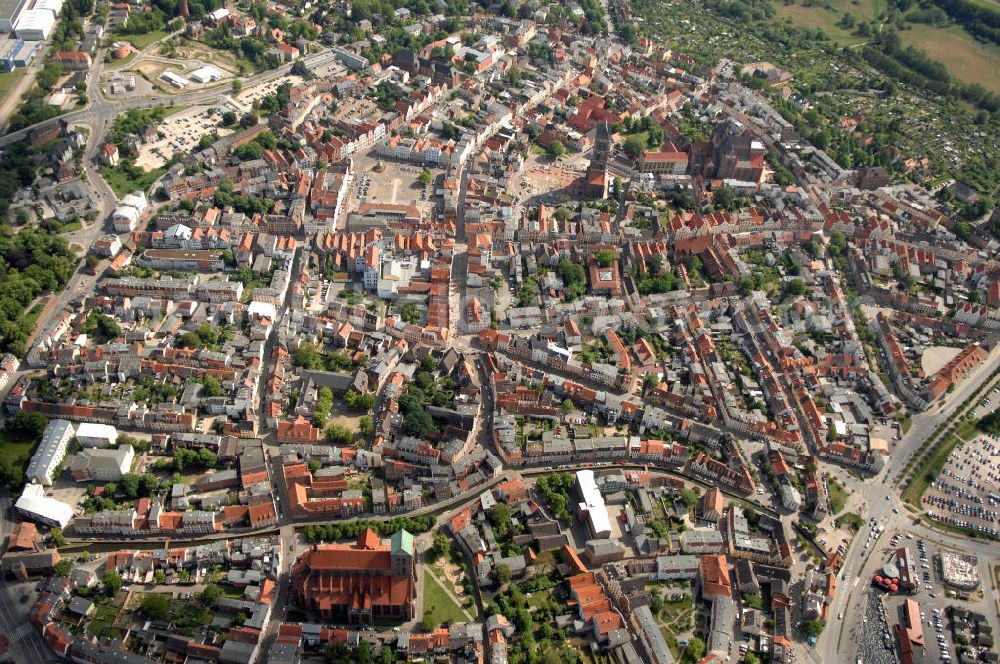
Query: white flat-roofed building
{"type": "Point", "coordinates": [89, 434]}
{"type": "Point", "coordinates": [175, 79]}
{"type": "Point", "coordinates": [54, 6]}
{"type": "Point", "coordinates": [35, 24]}
{"type": "Point", "coordinates": [207, 74]}
{"type": "Point", "coordinates": [50, 453]}
{"type": "Point", "coordinates": [10, 10]}
{"type": "Point", "coordinates": [36, 506]}
{"type": "Point", "coordinates": [593, 505]}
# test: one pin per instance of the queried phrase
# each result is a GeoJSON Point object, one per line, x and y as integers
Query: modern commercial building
{"type": "Point", "coordinates": [10, 10]}
{"type": "Point", "coordinates": [35, 24]}
{"type": "Point", "coordinates": [592, 505]}
{"type": "Point", "coordinates": [207, 74]}
{"type": "Point", "coordinates": [35, 505]}
{"type": "Point", "coordinates": [50, 453]}
{"type": "Point", "coordinates": [358, 583]}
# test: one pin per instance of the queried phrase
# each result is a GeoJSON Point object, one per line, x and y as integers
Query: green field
{"type": "Point", "coordinates": [967, 60]}
{"type": "Point", "coordinates": [142, 41]}
{"type": "Point", "coordinates": [122, 183]}
{"type": "Point", "coordinates": [438, 606]}
{"type": "Point", "coordinates": [826, 15]}
{"type": "Point", "coordinates": [9, 80]}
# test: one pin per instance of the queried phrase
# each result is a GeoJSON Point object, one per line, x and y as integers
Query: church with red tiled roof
{"type": "Point", "coordinates": [358, 583]}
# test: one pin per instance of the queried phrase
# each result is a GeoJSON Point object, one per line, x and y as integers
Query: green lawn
{"type": "Point", "coordinates": [967, 430]}
{"type": "Point", "coordinates": [102, 622]}
{"type": "Point", "coordinates": [122, 183]}
{"type": "Point", "coordinates": [15, 452]}
{"type": "Point", "coordinates": [142, 41]}
{"type": "Point", "coordinates": [925, 474]}
{"type": "Point", "coordinates": [9, 80]}
{"type": "Point", "coordinates": [838, 496]}
{"type": "Point", "coordinates": [438, 606]}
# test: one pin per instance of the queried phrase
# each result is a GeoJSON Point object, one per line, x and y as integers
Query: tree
{"type": "Point", "coordinates": [695, 649]}
{"type": "Point", "coordinates": [556, 149]}
{"type": "Point", "coordinates": [634, 146]}
{"type": "Point", "coordinates": [56, 535]}
{"type": "Point", "coordinates": [793, 288]}
{"type": "Point", "coordinates": [724, 197]}
{"type": "Point", "coordinates": [501, 574]}
{"type": "Point", "coordinates": [112, 581]}
{"type": "Point", "coordinates": [63, 567]}
{"type": "Point", "coordinates": [237, 86]}
{"type": "Point", "coordinates": [567, 406]}
{"type": "Point", "coordinates": [210, 595]}
{"type": "Point", "coordinates": [155, 606]}
{"type": "Point", "coordinates": [656, 603]}
{"type": "Point", "coordinates": [605, 257]}
{"type": "Point", "coordinates": [338, 434]}
{"type": "Point", "coordinates": [425, 177]}
{"type": "Point", "coordinates": [26, 424]}
{"type": "Point", "coordinates": [129, 484]}
{"type": "Point", "coordinates": [366, 425]}
{"type": "Point", "coordinates": [751, 658]}
{"type": "Point", "coordinates": [813, 628]}
{"type": "Point", "coordinates": [689, 496]}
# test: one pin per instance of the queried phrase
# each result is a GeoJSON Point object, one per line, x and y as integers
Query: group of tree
{"type": "Point", "coordinates": [416, 420]}
{"type": "Point", "coordinates": [33, 262]}
{"type": "Point", "coordinates": [555, 489]}
{"type": "Point", "coordinates": [335, 532]}
{"type": "Point", "coordinates": [324, 402]}
{"type": "Point", "coordinates": [102, 326]}
{"type": "Point", "coordinates": [359, 401]}
{"type": "Point", "coordinates": [573, 277]}
{"type": "Point", "coordinates": [309, 357]}
{"type": "Point", "coordinates": [184, 459]}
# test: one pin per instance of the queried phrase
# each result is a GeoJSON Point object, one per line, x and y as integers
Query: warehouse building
{"type": "Point", "coordinates": [207, 74]}
{"type": "Point", "coordinates": [89, 434]}
{"type": "Point", "coordinates": [36, 506]}
{"type": "Point", "coordinates": [35, 24]}
{"type": "Point", "coordinates": [10, 10]}
{"type": "Point", "coordinates": [18, 53]}
{"type": "Point", "coordinates": [54, 6]}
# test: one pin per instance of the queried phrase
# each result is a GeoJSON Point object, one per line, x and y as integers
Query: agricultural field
{"type": "Point", "coordinates": [826, 16]}
{"type": "Point", "coordinates": [966, 58]}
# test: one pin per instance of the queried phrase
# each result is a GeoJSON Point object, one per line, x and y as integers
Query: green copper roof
{"type": "Point", "coordinates": [402, 541]}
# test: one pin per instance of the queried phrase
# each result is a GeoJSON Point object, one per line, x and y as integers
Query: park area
{"type": "Point", "coordinates": [439, 607]}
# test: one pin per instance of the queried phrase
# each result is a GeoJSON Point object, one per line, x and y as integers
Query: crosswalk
{"type": "Point", "coordinates": [20, 632]}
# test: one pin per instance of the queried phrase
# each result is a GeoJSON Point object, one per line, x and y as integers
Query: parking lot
{"type": "Point", "coordinates": [966, 493]}
{"type": "Point", "coordinates": [180, 133]}
{"type": "Point", "coordinates": [247, 97]}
